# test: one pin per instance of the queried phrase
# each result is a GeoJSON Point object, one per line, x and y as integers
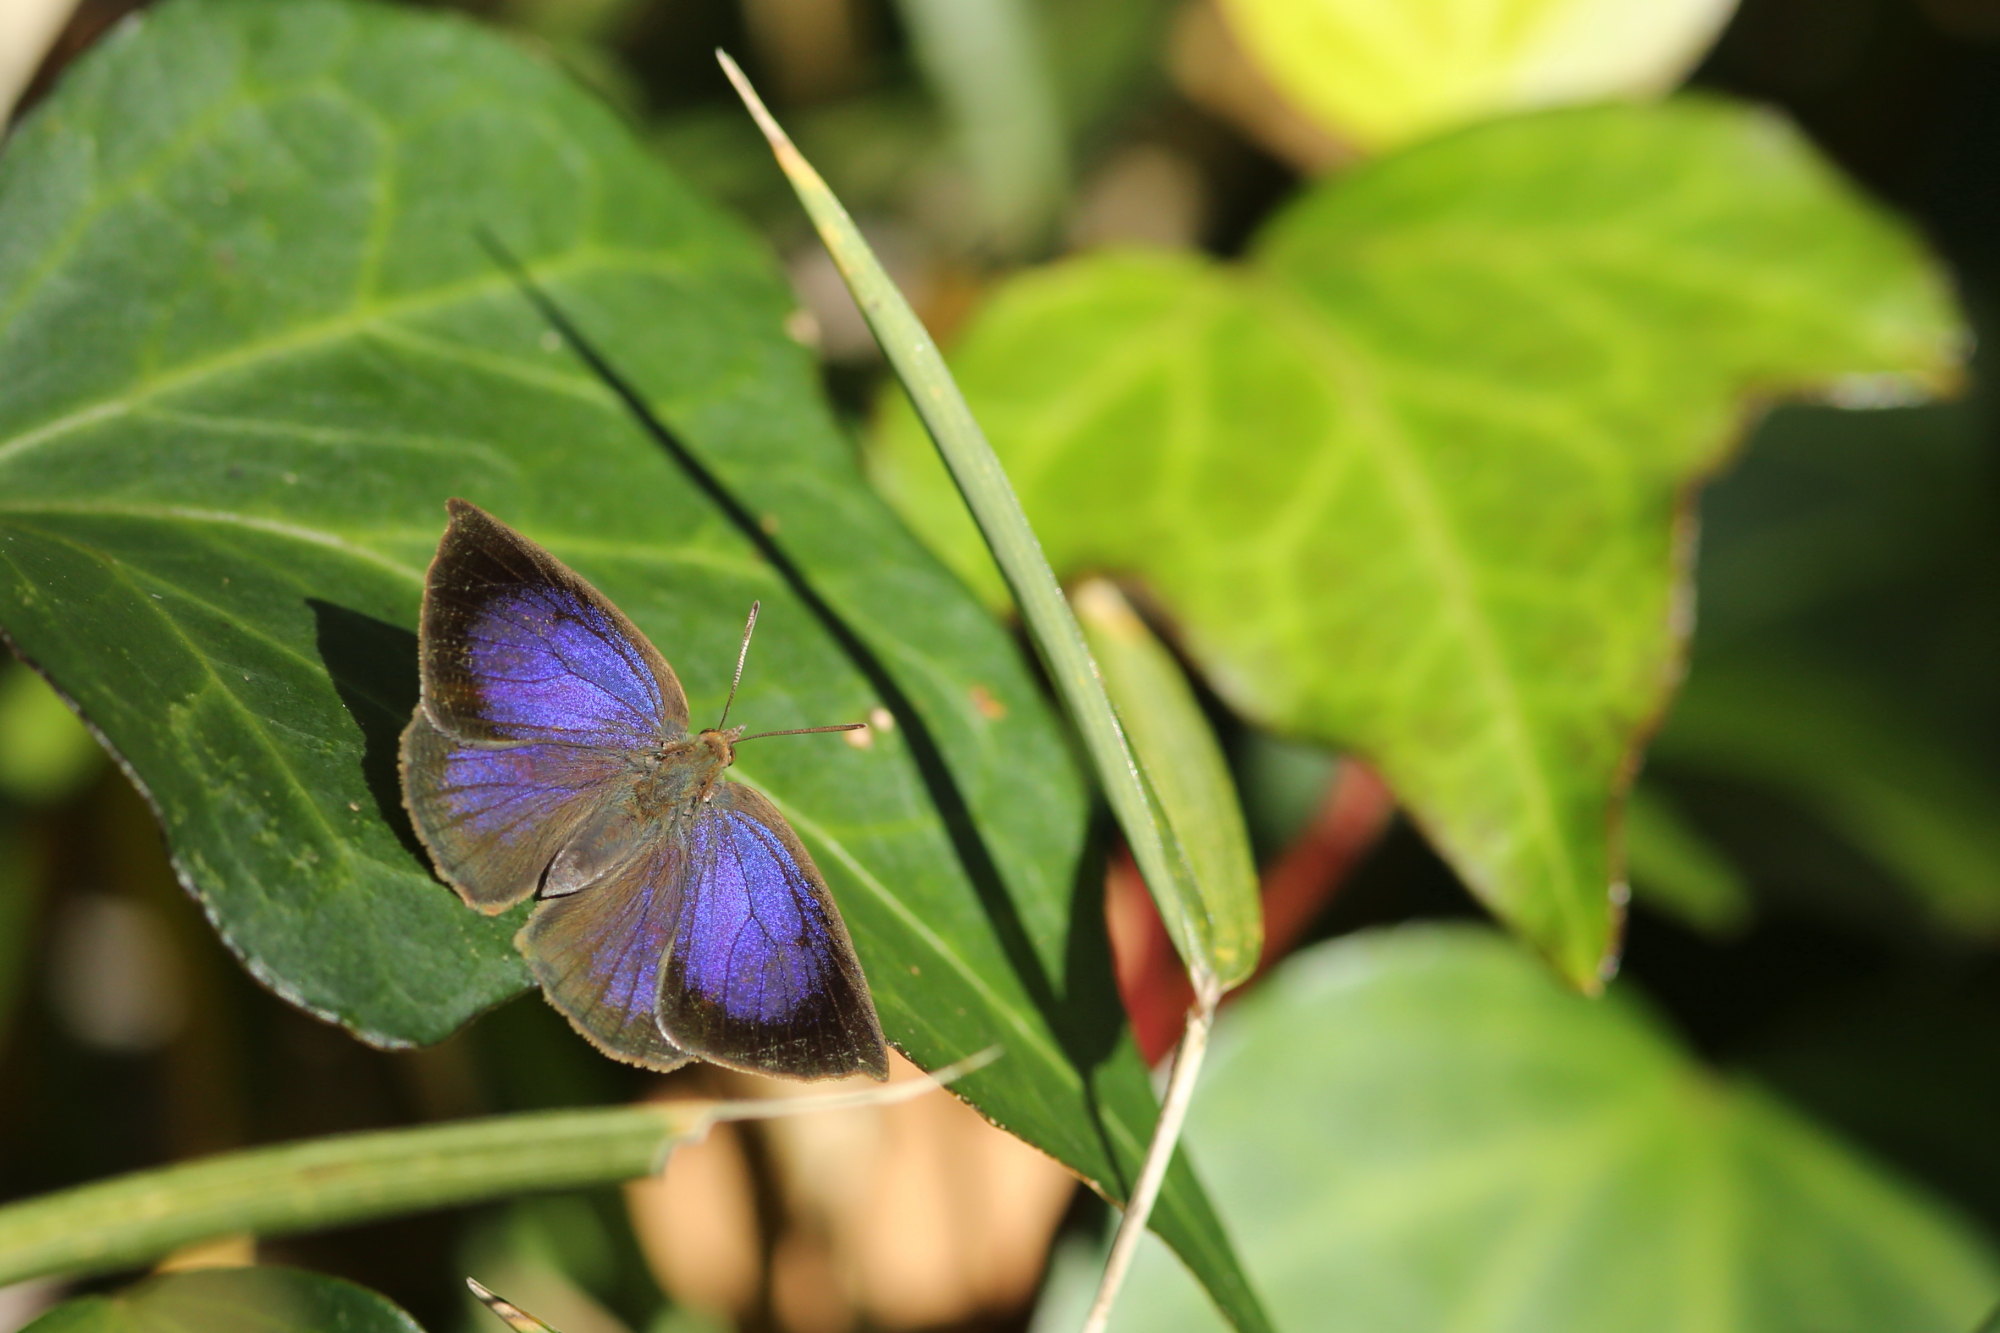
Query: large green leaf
{"type": "Point", "coordinates": [258, 331]}
{"type": "Point", "coordinates": [1412, 478]}
{"type": "Point", "coordinates": [1465, 1145]}
{"type": "Point", "coordinates": [231, 1300]}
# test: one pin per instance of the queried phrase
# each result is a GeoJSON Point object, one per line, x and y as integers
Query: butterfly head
{"type": "Point", "coordinates": [718, 745]}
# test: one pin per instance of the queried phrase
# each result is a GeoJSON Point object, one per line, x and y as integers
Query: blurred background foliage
{"type": "Point", "coordinates": [1815, 848]}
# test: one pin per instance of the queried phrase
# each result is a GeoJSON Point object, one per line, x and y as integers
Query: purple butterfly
{"type": "Point", "coordinates": [679, 916]}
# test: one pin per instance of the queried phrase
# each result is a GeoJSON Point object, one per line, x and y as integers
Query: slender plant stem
{"type": "Point", "coordinates": [130, 1220]}
{"type": "Point", "coordinates": [1181, 1078]}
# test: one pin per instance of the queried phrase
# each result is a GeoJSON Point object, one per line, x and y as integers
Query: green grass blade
{"type": "Point", "coordinates": [1178, 753]}
{"type": "Point", "coordinates": [1051, 624]}
{"type": "Point", "coordinates": [133, 1219]}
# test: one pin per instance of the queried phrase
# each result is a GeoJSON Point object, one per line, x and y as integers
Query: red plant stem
{"type": "Point", "coordinates": [1296, 887]}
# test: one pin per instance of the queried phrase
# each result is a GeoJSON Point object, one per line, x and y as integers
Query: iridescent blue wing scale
{"type": "Point", "coordinates": [516, 647]}
{"type": "Point", "coordinates": [758, 960]}
{"type": "Point", "coordinates": [536, 693]}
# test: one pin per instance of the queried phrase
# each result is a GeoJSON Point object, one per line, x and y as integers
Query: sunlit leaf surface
{"type": "Point", "coordinates": [1412, 478]}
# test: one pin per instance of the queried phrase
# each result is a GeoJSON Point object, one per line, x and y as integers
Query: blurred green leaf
{"type": "Point", "coordinates": [1866, 535]}
{"type": "Point", "coordinates": [571, 20]}
{"type": "Point", "coordinates": [1464, 1145]}
{"type": "Point", "coordinates": [1379, 75]}
{"type": "Point", "coordinates": [679, 1319]}
{"type": "Point", "coordinates": [255, 231]}
{"type": "Point", "coordinates": [570, 1258]}
{"type": "Point", "coordinates": [1905, 1063]}
{"type": "Point", "coordinates": [45, 753]}
{"type": "Point", "coordinates": [1676, 869]}
{"type": "Point", "coordinates": [985, 60]}
{"type": "Point", "coordinates": [872, 146]}
{"type": "Point", "coordinates": [1849, 623]}
{"type": "Point", "coordinates": [1859, 759]}
{"type": "Point", "coordinates": [1222, 921]}
{"type": "Point", "coordinates": [231, 1300]}
{"type": "Point", "coordinates": [1101, 54]}
{"type": "Point", "coordinates": [1284, 784]}
{"type": "Point", "coordinates": [1412, 479]}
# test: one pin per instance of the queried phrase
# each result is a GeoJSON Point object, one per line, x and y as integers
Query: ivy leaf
{"type": "Point", "coordinates": [231, 1300]}
{"type": "Point", "coordinates": [1466, 1144]}
{"type": "Point", "coordinates": [267, 295]}
{"type": "Point", "coordinates": [1413, 479]}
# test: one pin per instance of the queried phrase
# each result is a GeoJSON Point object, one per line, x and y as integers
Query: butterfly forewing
{"type": "Point", "coordinates": [536, 692]}
{"type": "Point", "coordinates": [759, 973]}
{"type": "Point", "coordinates": [517, 647]}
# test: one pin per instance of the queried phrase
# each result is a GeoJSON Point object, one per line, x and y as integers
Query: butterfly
{"type": "Point", "coordinates": [678, 915]}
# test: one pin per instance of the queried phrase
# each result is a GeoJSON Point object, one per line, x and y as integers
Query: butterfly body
{"type": "Point", "coordinates": [682, 774]}
{"type": "Point", "coordinates": [678, 915]}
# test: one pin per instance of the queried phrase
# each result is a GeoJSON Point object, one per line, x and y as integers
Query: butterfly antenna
{"type": "Point", "coordinates": [742, 656]}
{"type": "Point", "coordinates": [805, 731]}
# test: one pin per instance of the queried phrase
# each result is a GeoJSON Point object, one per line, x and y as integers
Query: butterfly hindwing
{"type": "Point", "coordinates": [758, 960]}
{"type": "Point", "coordinates": [597, 954]}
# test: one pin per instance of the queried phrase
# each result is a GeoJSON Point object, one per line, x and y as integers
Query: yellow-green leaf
{"type": "Point", "coordinates": [1377, 75]}
{"type": "Point", "coordinates": [1412, 481]}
